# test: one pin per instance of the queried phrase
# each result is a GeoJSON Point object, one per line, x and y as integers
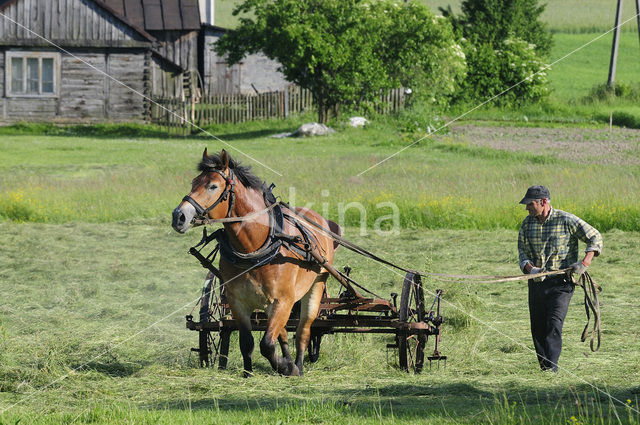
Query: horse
{"type": "Point", "coordinates": [225, 189]}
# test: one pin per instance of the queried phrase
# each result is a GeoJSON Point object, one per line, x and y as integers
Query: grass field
{"type": "Point", "coordinates": [96, 284]}
{"type": "Point", "coordinates": [575, 76]}
{"type": "Point", "coordinates": [126, 288]}
{"type": "Point", "coordinates": [67, 179]}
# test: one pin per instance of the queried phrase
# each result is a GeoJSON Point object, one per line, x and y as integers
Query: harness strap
{"type": "Point", "coordinates": [228, 193]}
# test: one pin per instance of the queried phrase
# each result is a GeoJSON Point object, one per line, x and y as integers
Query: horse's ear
{"type": "Point", "coordinates": [205, 155]}
{"type": "Point", "coordinates": [224, 159]}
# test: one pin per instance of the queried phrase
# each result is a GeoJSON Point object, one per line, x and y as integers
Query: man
{"type": "Point", "coordinates": [548, 241]}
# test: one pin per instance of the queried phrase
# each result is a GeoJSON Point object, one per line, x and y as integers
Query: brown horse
{"type": "Point", "coordinates": [273, 283]}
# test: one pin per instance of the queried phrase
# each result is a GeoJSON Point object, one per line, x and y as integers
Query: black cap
{"type": "Point", "coordinates": [535, 193]}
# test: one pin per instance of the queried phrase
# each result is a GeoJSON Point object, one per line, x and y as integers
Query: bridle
{"type": "Point", "coordinates": [229, 192]}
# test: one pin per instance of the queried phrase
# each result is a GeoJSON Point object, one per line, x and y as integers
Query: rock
{"type": "Point", "coordinates": [358, 121]}
{"type": "Point", "coordinates": [312, 129]}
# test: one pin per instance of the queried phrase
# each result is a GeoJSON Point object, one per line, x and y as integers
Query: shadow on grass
{"type": "Point", "coordinates": [98, 131]}
{"type": "Point", "coordinates": [133, 130]}
{"type": "Point", "coordinates": [231, 136]}
{"type": "Point", "coordinates": [462, 401]}
{"type": "Point", "coordinates": [116, 369]}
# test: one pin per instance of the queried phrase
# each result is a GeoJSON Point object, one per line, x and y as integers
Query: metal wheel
{"type": "Point", "coordinates": [212, 345]}
{"type": "Point", "coordinates": [411, 347]}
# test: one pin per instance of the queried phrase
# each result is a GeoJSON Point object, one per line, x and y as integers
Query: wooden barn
{"type": "Point", "coordinates": [95, 60]}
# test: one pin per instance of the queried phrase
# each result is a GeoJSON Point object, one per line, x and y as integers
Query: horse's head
{"type": "Point", "coordinates": [212, 193]}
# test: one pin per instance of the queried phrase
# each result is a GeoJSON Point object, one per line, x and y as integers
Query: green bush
{"type": "Point", "coordinates": [620, 91]}
{"type": "Point", "coordinates": [513, 64]}
{"type": "Point", "coordinates": [625, 119]}
{"type": "Point", "coordinates": [504, 43]}
{"type": "Point", "coordinates": [493, 21]}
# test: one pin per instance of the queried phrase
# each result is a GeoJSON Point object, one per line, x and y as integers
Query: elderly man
{"type": "Point", "coordinates": [547, 241]}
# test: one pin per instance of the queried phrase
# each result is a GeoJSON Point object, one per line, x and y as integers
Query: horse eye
{"type": "Point", "coordinates": [212, 187]}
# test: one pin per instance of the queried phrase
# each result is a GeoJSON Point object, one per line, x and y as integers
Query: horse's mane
{"type": "Point", "coordinates": [242, 172]}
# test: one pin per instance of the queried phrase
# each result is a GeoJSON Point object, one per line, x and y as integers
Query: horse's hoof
{"type": "Point", "coordinates": [247, 374]}
{"type": "Point", "coordinates": [289, 369]}
{"type": "Point", "coordinates": [295, 371]}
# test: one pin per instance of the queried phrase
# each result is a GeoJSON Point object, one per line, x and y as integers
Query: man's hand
{"type": "Point", "coordinates": [536, 270]}
{"type": "Point", "coordinates": [578, 268]}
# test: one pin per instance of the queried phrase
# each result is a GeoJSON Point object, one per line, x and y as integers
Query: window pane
{"type": "Point", "coordinates": [47, 75]}
{"type": "Point", "coordinates": [16, 75]}
{"type": "Point", "coordinates": [32, 75]}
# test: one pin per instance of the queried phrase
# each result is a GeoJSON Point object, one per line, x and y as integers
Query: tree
{"type": "Point", "coordinates": [505, 44]}
{"type": "Point", "coordinates": [347, 51]}
{"type": "Point", "coordinates": [493, 21]}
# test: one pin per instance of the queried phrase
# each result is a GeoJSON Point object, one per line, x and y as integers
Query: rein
{"type": "Point", "coordinates": [247, 217]}
{"type": "Point", "coordinates": [591, 305]}
{"type": "Point", "coordinates": [590, 287]}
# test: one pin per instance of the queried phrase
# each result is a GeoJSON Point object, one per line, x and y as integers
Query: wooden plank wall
{"type": "Point", "coordinates": [86, 94]}
{"type": "Point", "coordinates": [179, 47]}
{"type": "Point", "coordinates": [69, 20]}
{"type": "Point", "coordinates": [89, 33]}
{"type": "Point", "coordinates": [3, 100]}
{"type": "Point", "coordinates": [166, 84]}
{"type": "Point", "coordinates": [124, 104]}
{"type": "Point", "coordinates": [82, 88]}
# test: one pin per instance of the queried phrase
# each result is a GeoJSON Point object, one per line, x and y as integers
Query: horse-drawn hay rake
{"type": "Point", "coordinates": [410, 322]}
{"type": "Point", "coordinates": [275, 260]}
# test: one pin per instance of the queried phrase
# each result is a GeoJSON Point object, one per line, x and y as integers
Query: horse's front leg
{"type": "Point", "coordinates": [310, 304]}
{"type": "Point", "coordinates": [278, 316]}
{"type": "Point", "coordinates": [246, 348]}
{"type": "Point", "coordinates": [283, 339]}
{"type": "Point", "coordinates": [243, 320]}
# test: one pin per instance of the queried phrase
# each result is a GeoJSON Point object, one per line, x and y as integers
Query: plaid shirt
{"type": "Point", "coordinates": [553, 245]}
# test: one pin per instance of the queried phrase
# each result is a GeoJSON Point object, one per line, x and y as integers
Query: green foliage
{"type": "Point", "coordinates": [620, 91]}
{"type": "Point", "coordinates": [349, 51]}
{"type": "Point", "coordinates": [493, 21]}
{"type": "Point", "coordinates": [504, 42]}
{"type": "Point", "coordinates": [511, 64]}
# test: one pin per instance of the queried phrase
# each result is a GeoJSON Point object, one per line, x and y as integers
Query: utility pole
{"type": "Point", "coordinates": [614, 48]}
{"type": "Point", "coordinates": [638, 15]}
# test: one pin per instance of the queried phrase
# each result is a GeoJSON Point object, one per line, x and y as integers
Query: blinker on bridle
{"type": "Point", "coordinates": [229, 192]}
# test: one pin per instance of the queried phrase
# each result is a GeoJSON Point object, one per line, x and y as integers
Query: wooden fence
{"type": "Point", "coordinates": [181, 117]}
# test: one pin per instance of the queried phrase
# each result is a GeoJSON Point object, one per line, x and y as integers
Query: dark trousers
{"type": "Point", "coordinates": [548, 306]}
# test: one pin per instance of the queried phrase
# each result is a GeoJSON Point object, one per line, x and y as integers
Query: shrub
{"type": "Point", "coordinates": [606, 94]}
{"type": "Point", "coordinates": [504, 43]}
{"type": "Point", "coordinates": [493, 21]}
{"type": "Point", "coordinates": [511, 64]}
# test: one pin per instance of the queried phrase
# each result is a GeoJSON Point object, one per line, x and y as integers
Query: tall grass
{"type": "Point", "coordinates": [439, 183]}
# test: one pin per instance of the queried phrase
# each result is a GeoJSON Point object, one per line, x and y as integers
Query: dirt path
{"type": "Point", "coordinates": [583, 145]}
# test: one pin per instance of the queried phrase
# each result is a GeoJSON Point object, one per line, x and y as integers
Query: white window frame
{"type": "Point", "coordinates": [8, 69]}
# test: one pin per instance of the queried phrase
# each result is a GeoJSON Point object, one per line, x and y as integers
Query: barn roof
{"type": "Point", "coordinates": [158, 15]}
{"type": "Point", "coordinates": [104, 4]}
